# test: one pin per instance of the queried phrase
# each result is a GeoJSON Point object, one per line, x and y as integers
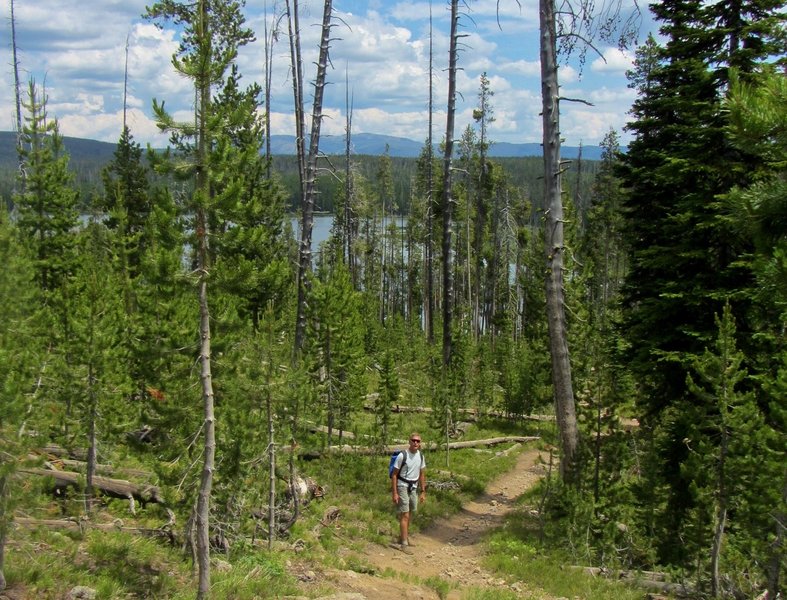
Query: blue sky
{"type": "Point", "coordinates": [76, 50]}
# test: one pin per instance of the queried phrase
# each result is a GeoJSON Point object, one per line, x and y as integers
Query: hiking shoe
{"type": "Point", "coordinates": [405, 548]}
{"type": "Point", "coordinates": [408, 542]}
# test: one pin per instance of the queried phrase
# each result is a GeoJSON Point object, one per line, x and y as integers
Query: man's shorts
{"type": "Point", "coordinates": [408, 501]}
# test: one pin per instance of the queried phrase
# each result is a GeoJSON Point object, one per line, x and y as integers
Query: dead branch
{"type": "Point", "coordinates": [383, 450]}
{"type": "Point", "coordinates": [115, 488]}
{"type": "Point", "coordinates": [471, 414]}
{"type": "Point", "coordinates": [82, 525]}
{"type": "Point", "coordinates": [649, 580]}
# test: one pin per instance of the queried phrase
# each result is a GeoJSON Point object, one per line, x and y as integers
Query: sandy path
{"type": "Point", "coordinates": [449, 549]}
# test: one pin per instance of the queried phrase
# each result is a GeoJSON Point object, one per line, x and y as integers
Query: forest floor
{"type": "Point", "coordinates": [450, 551]}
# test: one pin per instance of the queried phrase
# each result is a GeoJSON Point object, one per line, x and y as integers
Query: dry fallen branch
{"type": "Point", "coordinates": [383, 450]}
{"type": "Point", "coordinates": [470, 414]}
{"type": "Point", "coordinates": [648, 580]}
{"type": "Point", "coordinates": [82, 525]}
{"type": "Point", "coordinates": [115, 488]}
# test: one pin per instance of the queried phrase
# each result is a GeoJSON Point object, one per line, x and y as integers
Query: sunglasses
{"type": "Point", "coordinates": [416, 441]}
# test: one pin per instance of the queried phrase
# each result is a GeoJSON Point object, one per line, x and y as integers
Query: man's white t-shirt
{"type": "Point", "coordinates": [412, 468]}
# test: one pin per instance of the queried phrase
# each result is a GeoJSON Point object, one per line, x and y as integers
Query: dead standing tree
{"type": "Point", "coordinates": [447, 202]}
{"type": "Point", "coordinates": [309, 166]}
{"type": "Point", "coordinates": [570, 25]}
{"type": "Point", "coordinates": [429, 308]}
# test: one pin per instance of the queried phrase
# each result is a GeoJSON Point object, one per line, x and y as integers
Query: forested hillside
{"type": "Point", "coordinates": [88, 158]}
{"type": "Point", "coordinates": [167, 339]}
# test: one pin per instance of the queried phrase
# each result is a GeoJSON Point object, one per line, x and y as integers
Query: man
{"type": "Point", "coordinates": [409, 476]}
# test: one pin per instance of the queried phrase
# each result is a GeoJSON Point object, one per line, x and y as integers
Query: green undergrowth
{"type": "Point", "coordinates": [122, 562]}
{"type": "Point", "coordinates": [516, 554]}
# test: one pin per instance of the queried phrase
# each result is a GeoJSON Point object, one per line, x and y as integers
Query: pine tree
{"type": "Point", "coordinates": [683, 260]}
{"type": "Point", "coordinates": [47, 204]}
{"type": "Point", "coordinates": [728, 461]}
{"type": "Point", "coordinates": [127, 197]}
{"type": "Point", "coordinates": [336, 348]}
{"type": "Point", "coordinates": [387, 395]}
{"type": "Point", "coordinates": [47, 224]}
{"type": "Point", "coordinates": [20, 356]}
{"type": "Point", "coordinates": [211, 34]}
{"type": "Point", "coordinates": [606, 386]}
{"type": "Point", "coordinates": [757, 108]}
{"type": "Point", "coordinates": [97, 356]}
{"type": "Point", "coordinates": [248, 220]}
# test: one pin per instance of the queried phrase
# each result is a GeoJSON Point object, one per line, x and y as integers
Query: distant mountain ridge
{"type": "Point", "coordinates": [362, 143]}
{"type": "Point", "coordinates": [374, 144]}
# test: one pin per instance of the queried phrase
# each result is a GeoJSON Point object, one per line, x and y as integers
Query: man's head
{"type": "Point", "coordinates": [415, 441]}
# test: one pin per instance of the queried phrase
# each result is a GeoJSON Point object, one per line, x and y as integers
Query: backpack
{"type": "Point", "coordinates": [394, 456]}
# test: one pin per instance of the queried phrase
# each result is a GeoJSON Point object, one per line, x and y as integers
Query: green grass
{"type": "Point", "coordinates": [515, 554]}
{"type": "Point", "coordinates": [117, 564]}
{"type": "Point", "coordinates": [439, 585]}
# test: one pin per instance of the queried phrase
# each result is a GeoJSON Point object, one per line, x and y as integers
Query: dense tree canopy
{"type": "Point", "coordinates": [180, 285]}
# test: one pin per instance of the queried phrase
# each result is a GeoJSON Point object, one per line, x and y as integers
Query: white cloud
{"type": "Point", "coordinates": [527, 68]}
{"type": "Point", "coordinates": [614, 61]}
{"type": "Point", "coordinates": [383, 47]}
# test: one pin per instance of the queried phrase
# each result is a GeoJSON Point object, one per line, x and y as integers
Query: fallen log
{"type": "Point", "coordinates": [59, 451]}
{"type": "Point", "coordinates": [648, 580]}
{"type": "Point", "coordinates": [82, 525]}
{"type": "Point", "coordinates": [471, 414]}
{"type": "Point", "coordinates": [334, 432]}
{"type": "Point", "coordinates": [383, 450]}
{"type": "Point", "coordinates": [115, 488]}
{"type": "Point", "coordinates": [508, 451]}
{"type": "Point", "coordinates": [447, 475]}
{"type": "Point", "coordinates": [58, 464]}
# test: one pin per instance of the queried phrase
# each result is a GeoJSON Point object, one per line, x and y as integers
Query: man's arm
{"type": "Point", "coordinates": [422, 483]}
{"type": "Point", "coordinates": [394, 479]}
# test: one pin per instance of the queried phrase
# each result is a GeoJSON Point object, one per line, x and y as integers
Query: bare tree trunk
{"type": "Point", "coordinates": [125, 86]}
{"type": "Point", "coordinates": [203, 194]}
{"type": "Point", "coordinates": [17, 101]}
{"type": "Point", "coordinates": [209, 453]}
{"type": "Point", "coordinates": [720, 520]}
{"type": "Point", "coordinates": [347, 230]}
{"type": "Point", "coordinates": [447, 191]}
{"type": "Point", "coordinates": [5, 520]}
{"type": "Point", "coordinates": [272, 458]}
{"type": "Point", "coordinates": [774, 567]}
{"type": "Point", "coordinates": [565, 409]}
{"type": "Point", "coordinates": [268, 73]}
{"type": "Point", "coordinates": [307, 217]}
{"type": "Point", "coordinates": [297, 91]}
{"type": "Point", "coordinates": [91, 441]}
{"type": "Point", "coordinates": [17, 84]}
{"type": "Point", "coordinates": [429, 245]}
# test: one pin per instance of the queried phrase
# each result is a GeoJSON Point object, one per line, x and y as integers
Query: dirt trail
{"type": "Point", "coordinates": [450, 549]}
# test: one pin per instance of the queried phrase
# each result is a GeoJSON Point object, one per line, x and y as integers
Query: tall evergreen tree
{"type": "Point", "coordinates": [47, 205]}
{"type": "Point", "coordinates": [729, 438]}
{"type": "Point", "coordinates": [47, 223]}
{"type": "Point", "coordinates": [20, 356]}
{"type": "Point", "coordinates": [127, 196]}
{"type": "Point", "coordinates": [250, 244]}
{"type": "Point", "coordinates": [483, 115]}
{"type": "Point", "coordinates": [335, 347]}
{"type": "Point", "coordinates": [683, 260]}
{"type": "Point", "coordinates": [99, 359]}
{"type": "Point", "coordinates": [212, 32]}
{"type": "Point", "coordinates": [758, 123]}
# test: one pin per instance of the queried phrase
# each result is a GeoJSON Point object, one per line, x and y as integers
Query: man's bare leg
{"type": "Point", "coordinates": [404, 526]}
